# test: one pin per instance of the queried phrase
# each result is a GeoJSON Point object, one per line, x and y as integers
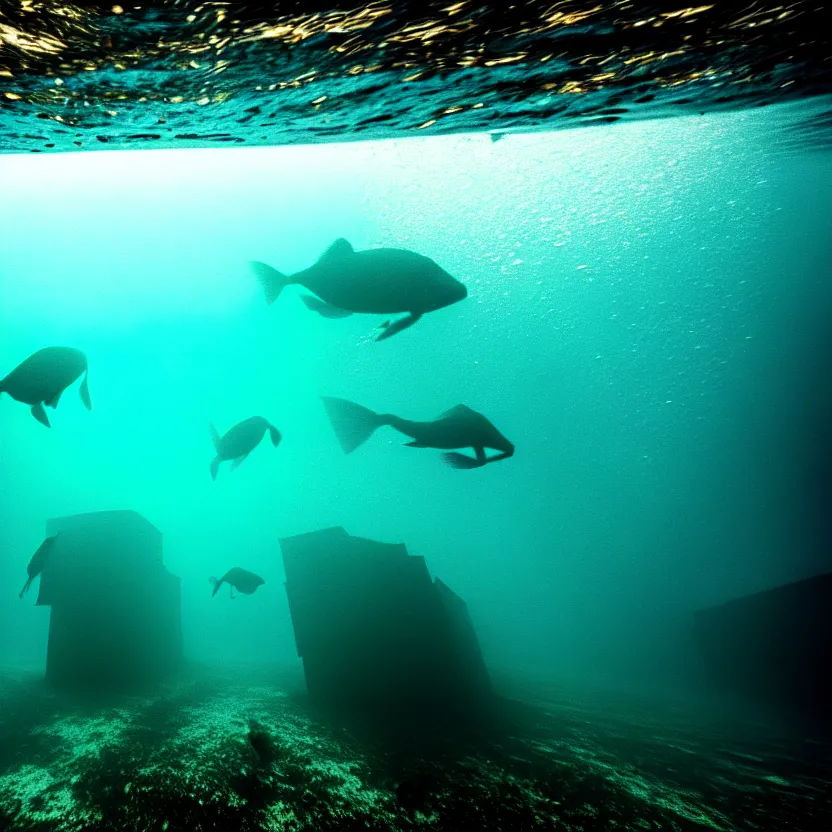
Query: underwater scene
{"type": "Point", "coordinates": [467, 481]}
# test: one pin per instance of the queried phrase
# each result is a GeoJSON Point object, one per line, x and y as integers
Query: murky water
{"type": "Point", "coordinates": [647, 322]}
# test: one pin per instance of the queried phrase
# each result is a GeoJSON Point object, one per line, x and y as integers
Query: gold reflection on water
{"type": "Point", "coordinates": [301, 27]}
{"type": "Point", "coordinates": [687, 12]}
{"type": "Point", "coordinates": [25, 42]}
{"type": "Point", "coordinates": [66, 40]}
{"type": "Point", "coordinates": [553, 18]}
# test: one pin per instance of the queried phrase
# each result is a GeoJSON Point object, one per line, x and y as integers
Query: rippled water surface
{"type": "Point", "coordinates": [194, 73]}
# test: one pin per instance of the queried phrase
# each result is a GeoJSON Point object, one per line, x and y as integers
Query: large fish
{"type": "Point", "coordinates": [459, 427]}
{"type": "Point", "coordinates": [240, 441]}
{"type": "Point", "coordinates": [377, 281]}
{"type": "Point", "coordinates": [240, 579]}
{"type": "Point", "coordinates": [43, 376]}
{"type": "Point", "coordinates": [37, 562]}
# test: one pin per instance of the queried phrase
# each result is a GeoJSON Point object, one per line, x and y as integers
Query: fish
{"type": "Point", "coordinates": [382, 281]}
{"type": "Point", "coordinates": [459, 427]}
{"type": "Point", "coordinates": [43, 376]}
{"type": "Point", "coordinates": [240, 441]}
{"type": "Point", "coordinates": [37, 562]}
{"type": "Point", "coordinates": [240, 579]}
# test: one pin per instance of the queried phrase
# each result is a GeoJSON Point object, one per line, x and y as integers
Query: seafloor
{"type": "Point", "coordinates": [181, 759]}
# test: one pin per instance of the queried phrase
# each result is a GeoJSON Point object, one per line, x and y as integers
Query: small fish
{"type": "Point", "coordinates": [240, 579]}
{"type": "Point", "coordinates": [459, 427]}
{"type": "Point", "coordinates": [37, 562]}
{"type": "Point", "coordinates": [240, 441]}
{"type": "Point", "coordinates": [43, 376]}
{"type": "Point", "coordinates": [380, 281]}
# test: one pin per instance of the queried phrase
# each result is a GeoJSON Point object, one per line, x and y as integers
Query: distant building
{"type": "Point", "coordinates": [116, 617]}
{"type": "Point", "coordinates": [375, 632]}
{"type": "Point", "coordinates": [774, 647]}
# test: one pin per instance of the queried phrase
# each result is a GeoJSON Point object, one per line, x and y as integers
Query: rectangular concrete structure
{"type": "Point", "coordinates": [373, 629]}
{"type": "Point", "coordinates": [773, 646]}
{"type": "Point", "coordinates": [116, 617]}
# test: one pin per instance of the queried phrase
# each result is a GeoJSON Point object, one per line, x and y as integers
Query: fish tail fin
{"type": "Point", "coordinates": [214, 583]}
{"type": "Point", "coordinates": [215, 463]}
{"type": "Point", "coordinates": [272, 281]}
{"type": "Point", "coordinates": [352, 423]}
{"type": "Point", "coordinates": [85, 391]}
{"type": "Point", "coordinates": [26, 587]}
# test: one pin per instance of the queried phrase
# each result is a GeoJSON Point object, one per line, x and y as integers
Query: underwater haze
{"type": "Point", "coordinates": [647, 320]}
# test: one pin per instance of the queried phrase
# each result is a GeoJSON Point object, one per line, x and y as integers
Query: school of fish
{"type": "Point", "coordinates": [343, 282]}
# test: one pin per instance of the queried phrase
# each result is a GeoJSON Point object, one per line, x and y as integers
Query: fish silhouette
{"type": "Point", "coordinates": [37, 562]}
{"type": "Point", "coordinates": [240, 579]}
{"type": "Point", "coordinates": [43, 376]}
{"type": "Point", "coordinates": [459, 427]}
{"type": "Point", "coordinates": [377, 281]}
{"type": "Point", "coordinates": [240, 441]}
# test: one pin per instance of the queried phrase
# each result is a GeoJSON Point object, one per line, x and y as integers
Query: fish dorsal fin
{"type": "Point", "coordinates": [337, 251]}
{"type": "Point", "coordinates": [458, 411]}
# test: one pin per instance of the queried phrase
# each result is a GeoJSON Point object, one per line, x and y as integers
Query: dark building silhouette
{"type": "Point", "coordinates": [116, 617]}
{"type": "Point", "coordinates": [774, 646]}
{"type": "Point", "coordinates": [375, 632]}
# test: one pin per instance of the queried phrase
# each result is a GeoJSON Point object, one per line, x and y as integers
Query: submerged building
{"type": "Point", "coordinates": [116, 616]}
{"type": "Point", "coordinates": [774, 647]}
{"type": "Point", "coordinates": [375, 632]}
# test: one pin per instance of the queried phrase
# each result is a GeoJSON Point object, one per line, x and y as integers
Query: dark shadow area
{"type": "Point", "coordinates": [775, 647]}
{"type": "Point", "coordinates": [814, 428]}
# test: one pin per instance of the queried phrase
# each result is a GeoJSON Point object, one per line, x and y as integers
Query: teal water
{"type": "Point", "coordinates": [647, 321]}
{"type": "Point", "coordinates": [645, 314]}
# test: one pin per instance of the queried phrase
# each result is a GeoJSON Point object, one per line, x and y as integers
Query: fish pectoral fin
{"type": "Point", "coordinates": [325, 310]}
{"type": "Point", "coordinates": [85, 393]}
{"type": "Point", "coordinates": [415, 444]}
{"type": "Point", "coordinates": [392, 327]}
{"type": "Point", "coordinates": [461, 461]}
{"type": "Point", "coordinates": [40, 414]}
{"type": "Point", "coordinates": [481, 458]}
{"type": "Point", "coordinates": [239, 461]}
{"type": "Point", "coordinates": [53, 402]}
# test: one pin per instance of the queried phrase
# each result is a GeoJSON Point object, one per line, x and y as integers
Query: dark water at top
{"type": "Point", "coordinates": [196, 73]}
